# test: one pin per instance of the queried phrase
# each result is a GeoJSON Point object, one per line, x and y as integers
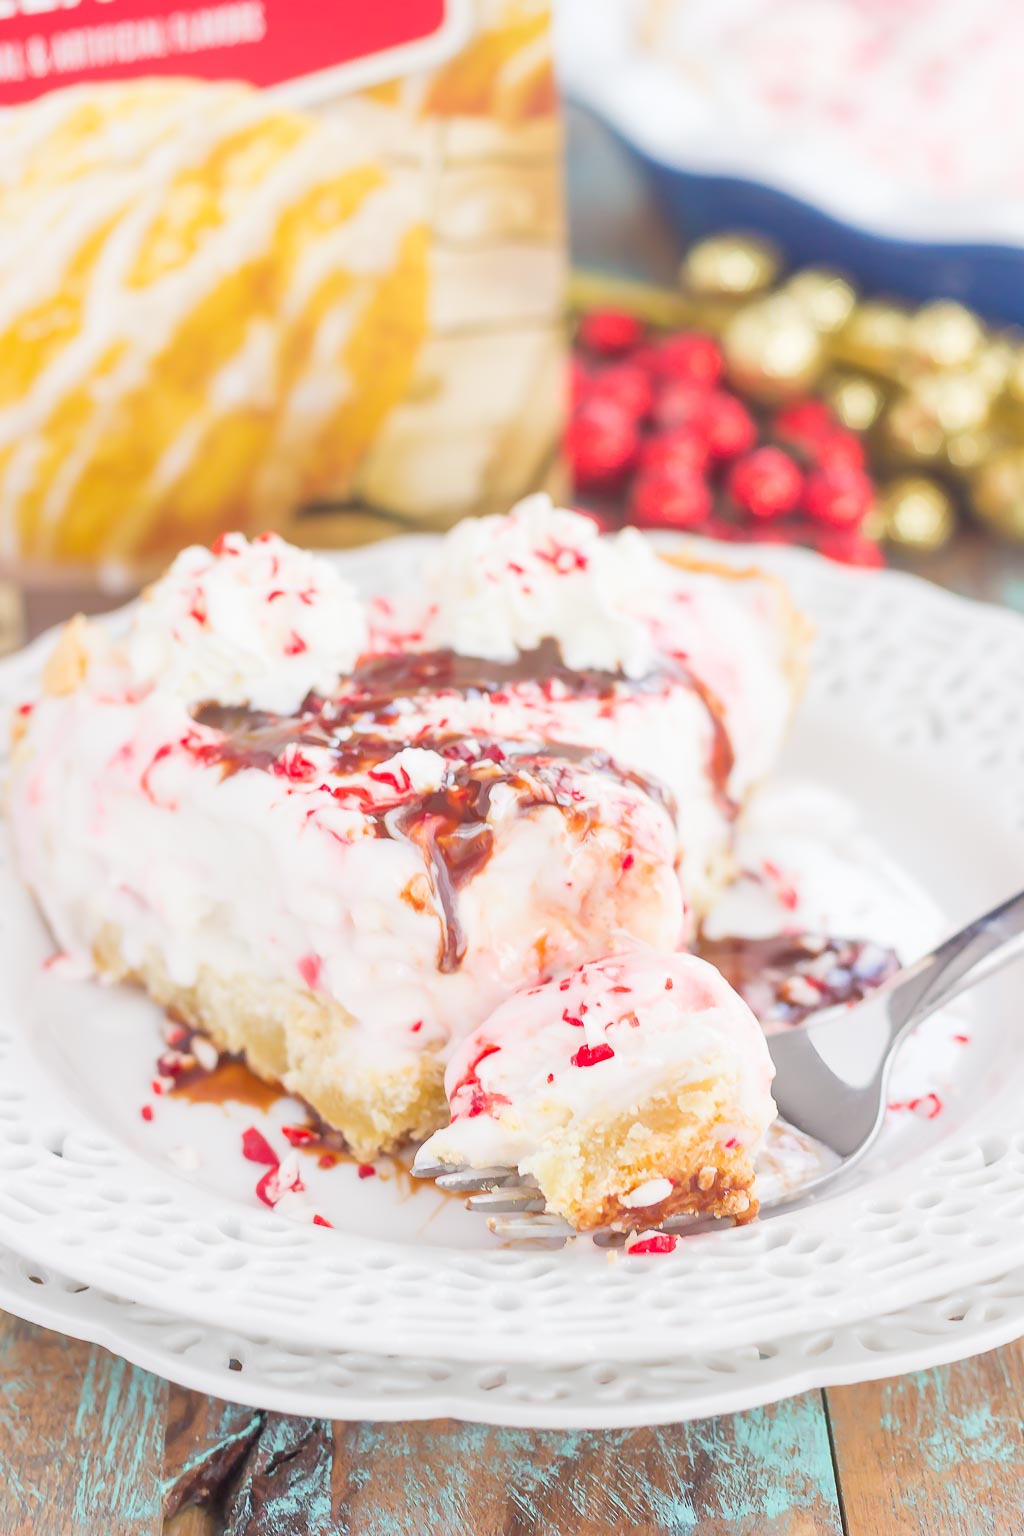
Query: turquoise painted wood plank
{"type": "Point", "coordinates": [938, 1453]}
{"type": "Point", "coordinates": [205, 1444]}
{"type": "Point", "coordinates": [81, 1438]}
{"type": "Point", "coordinates": [764, 1473]}
{"type": "Point", "coordinates": [285, 1483]}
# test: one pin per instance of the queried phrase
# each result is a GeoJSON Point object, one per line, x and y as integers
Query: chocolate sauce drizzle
{"type": "Point", "coordinates": [379, 681]}
{"type": "Point", "coordinates": [786, 977]}
{"type": "Point", "coordinates": [449, 825]}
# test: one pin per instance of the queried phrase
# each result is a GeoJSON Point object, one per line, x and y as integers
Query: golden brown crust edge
{"type": "Point", "coordinates": [291, 1038]}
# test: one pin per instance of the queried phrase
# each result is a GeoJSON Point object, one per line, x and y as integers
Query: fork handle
{"type": "Point", "coordinates": [970, 956]}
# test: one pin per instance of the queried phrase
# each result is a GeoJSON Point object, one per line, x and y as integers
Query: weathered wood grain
{"type": "Point", "coordinates": [81, 1438]}
{"type": "Point", "coordinates": [205, 1444]}
{"type": "Point", "coordinates": [194, 1521]}
{"type": "Point", "coordinates": [764, 1473]}
{"type": "Point", "coordinates": [939, 1453]}
{"type": "Point", "coordinates": [285, 1483]}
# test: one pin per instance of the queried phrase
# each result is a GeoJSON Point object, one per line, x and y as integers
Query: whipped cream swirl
{"type": "Point", "coordinates": [259, 623]}
{"type": "Point", "coordinates": [501, 585]}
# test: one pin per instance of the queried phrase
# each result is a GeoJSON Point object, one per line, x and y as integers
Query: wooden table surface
{"type": "Point", "coordinates": [91, 1446]}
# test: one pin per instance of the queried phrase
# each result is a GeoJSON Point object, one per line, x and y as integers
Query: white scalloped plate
{"type": "Point", "coordinates": [600, 1394]}
{"type": "Point", "coordinates": [915, 709]}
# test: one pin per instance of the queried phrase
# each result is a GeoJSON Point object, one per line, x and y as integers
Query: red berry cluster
{"type": "Point", "coordinates": [653, 424]}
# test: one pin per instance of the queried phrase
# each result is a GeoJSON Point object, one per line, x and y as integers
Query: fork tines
{"type": "Point", "coordinates": [466, 1181]}
{"type": "Point", "coordinates": [514, 1205]}
{"type": "Point", "coordinates": [542, 1230]}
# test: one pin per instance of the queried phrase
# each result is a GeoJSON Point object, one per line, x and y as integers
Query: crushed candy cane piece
{"type": "Point", "coordinates": [284, 1179]}
{"type": "Point", "coordinates": [652, 1242]}
{"type": "Point", "coordinates": [257, 1148]}
{"type": "Point", "coordinates": [299, 1135]}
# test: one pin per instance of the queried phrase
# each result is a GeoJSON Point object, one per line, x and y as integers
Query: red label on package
{"type": "Point", "coordinates": [323, 46]}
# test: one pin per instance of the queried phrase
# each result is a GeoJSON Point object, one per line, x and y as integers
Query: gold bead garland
{"type": "Point", "coordinates": [938, 394]}
{"type": "Point", "coordinates": [772, 348]}
{"type": "Point", "coordinates": [998, 493]}
{"type": "Point", "coordinates": [916, 514]}
{"type": "Point", "coordinates": [932, 388]}
{"type": "Point", "coordinates": [729, 267]}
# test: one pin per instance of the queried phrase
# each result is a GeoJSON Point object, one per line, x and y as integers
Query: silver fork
{"type": "Point", "coordinates": [831, 1076]}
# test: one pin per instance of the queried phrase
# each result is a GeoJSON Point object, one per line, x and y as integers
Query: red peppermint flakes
{"type": "Point", "coordinates": [257, 1148]}
{"type": "Point", "coordinates": [610, 332]}
{"type": "Point", "coordinates": [295, 765]}
{"type": "Point", "coordinates": [159, 756]}
{"type": "Point", "coordinates": [295, 645]}
{"type": "Point", "coordinates": [366, 1171]}
{"type": "Point", "coordinates": [309, 968]}
{"type": "Point", "coordinates": [321, 1221]}
{"type": "Point", "coordinates": [572, 1019]}
{"type": "Point", "coordinates": [767, 483]}
{"type": "Point", "coordinates": [657, 1242]}
{"type": "Point", "coordinates": [927, 1106]}
{"type": "Point", "coordinates": [474, 1098]}
{"type": "Point", "coordinates": [146, 1112]}
{"type": "Point", "coordinates": [590, 1055]}
{"type": "Point", "coordinates": [299, 1135]}
{"type": "Point", "coordinates": [172, 1063]}
{"type": "Point", "coordinates": [279, 1181]}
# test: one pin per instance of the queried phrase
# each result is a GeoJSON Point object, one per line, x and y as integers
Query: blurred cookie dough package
{"type": "Point", "coordinates": [272, 263]}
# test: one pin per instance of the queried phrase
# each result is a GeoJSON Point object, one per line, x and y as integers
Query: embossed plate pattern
{"type": "Point", "coordinates": [598, 1394]}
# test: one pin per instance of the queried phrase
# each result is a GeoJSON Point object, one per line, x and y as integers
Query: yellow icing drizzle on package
{"type": "Point", "coordinates": [208, 304]}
